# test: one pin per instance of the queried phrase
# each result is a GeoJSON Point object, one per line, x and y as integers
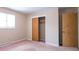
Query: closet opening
{"type": "Point", "coordinates": [42, 29]}
{"type": "Point", "coordinates": [38, 29]}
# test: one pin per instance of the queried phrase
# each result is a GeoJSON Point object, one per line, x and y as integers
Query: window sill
{"type": "Point", "coordinates": [7, 28]}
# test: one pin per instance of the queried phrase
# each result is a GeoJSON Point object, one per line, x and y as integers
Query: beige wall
{"type": "Point", "coordinates": [52, 31]}
{"type": "Point", "coordinates": [7, 35]}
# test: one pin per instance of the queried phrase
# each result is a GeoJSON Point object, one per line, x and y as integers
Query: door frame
{"type": "Point", "coordinates": [38, 26]}
{"type": "Point", "coordinates": [60, 25]}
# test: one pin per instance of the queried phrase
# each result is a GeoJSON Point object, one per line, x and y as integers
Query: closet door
{"type": "Point", "coordinates": [35, 29]}
{"type": "Point", "coordinates": [69, 29]}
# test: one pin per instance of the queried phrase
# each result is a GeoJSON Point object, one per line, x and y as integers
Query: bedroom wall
{"type": "Point", "coordinates": [52, 30]}
{"type": "Point", "coordinates": [8, 35]}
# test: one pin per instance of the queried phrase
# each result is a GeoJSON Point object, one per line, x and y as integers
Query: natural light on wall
{"type": "Point", "coordinates": [7, 20]}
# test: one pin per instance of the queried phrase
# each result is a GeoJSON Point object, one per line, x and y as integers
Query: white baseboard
{"type": "Point", "coordinates": [10, 42]}
{"type": "Point", "coordinates": [52, 44]}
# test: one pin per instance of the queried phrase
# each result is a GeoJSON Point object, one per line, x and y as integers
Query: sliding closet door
{"type": "Point", "coordinates": [69, 29]}
{"type": "Point", "coordinates": [35, 29]}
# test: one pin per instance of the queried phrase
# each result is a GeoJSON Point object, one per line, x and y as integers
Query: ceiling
{"type": "Point", "coordinates": [26, 9]}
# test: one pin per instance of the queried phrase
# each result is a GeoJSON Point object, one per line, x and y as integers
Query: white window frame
{"type": "Point", "coordinates": [7, 26]}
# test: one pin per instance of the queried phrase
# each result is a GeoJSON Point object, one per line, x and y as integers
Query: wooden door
{"type": "Point", "coordinates": [69, 29]}
{"type": "Point", "coordinates": [35, 29]}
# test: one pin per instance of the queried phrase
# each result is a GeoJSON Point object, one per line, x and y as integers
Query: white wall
{"type": "Point", "coordinates": [52, 29]}
{"type": "Point", "coordinates": [8, 35]}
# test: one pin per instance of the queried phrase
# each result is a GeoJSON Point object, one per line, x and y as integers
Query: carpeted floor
{"type": "Point", "coordinates": [26, 45]}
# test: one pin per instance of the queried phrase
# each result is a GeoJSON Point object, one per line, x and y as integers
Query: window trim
{"type": "Point", "coordinates": [7, 27]}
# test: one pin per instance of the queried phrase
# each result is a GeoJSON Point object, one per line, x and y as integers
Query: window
{"type": "Point", "coordinates": [7, 20]}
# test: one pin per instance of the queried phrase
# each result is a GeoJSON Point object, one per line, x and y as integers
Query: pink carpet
{"type": "Point", "coordinates": [26, 45]}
